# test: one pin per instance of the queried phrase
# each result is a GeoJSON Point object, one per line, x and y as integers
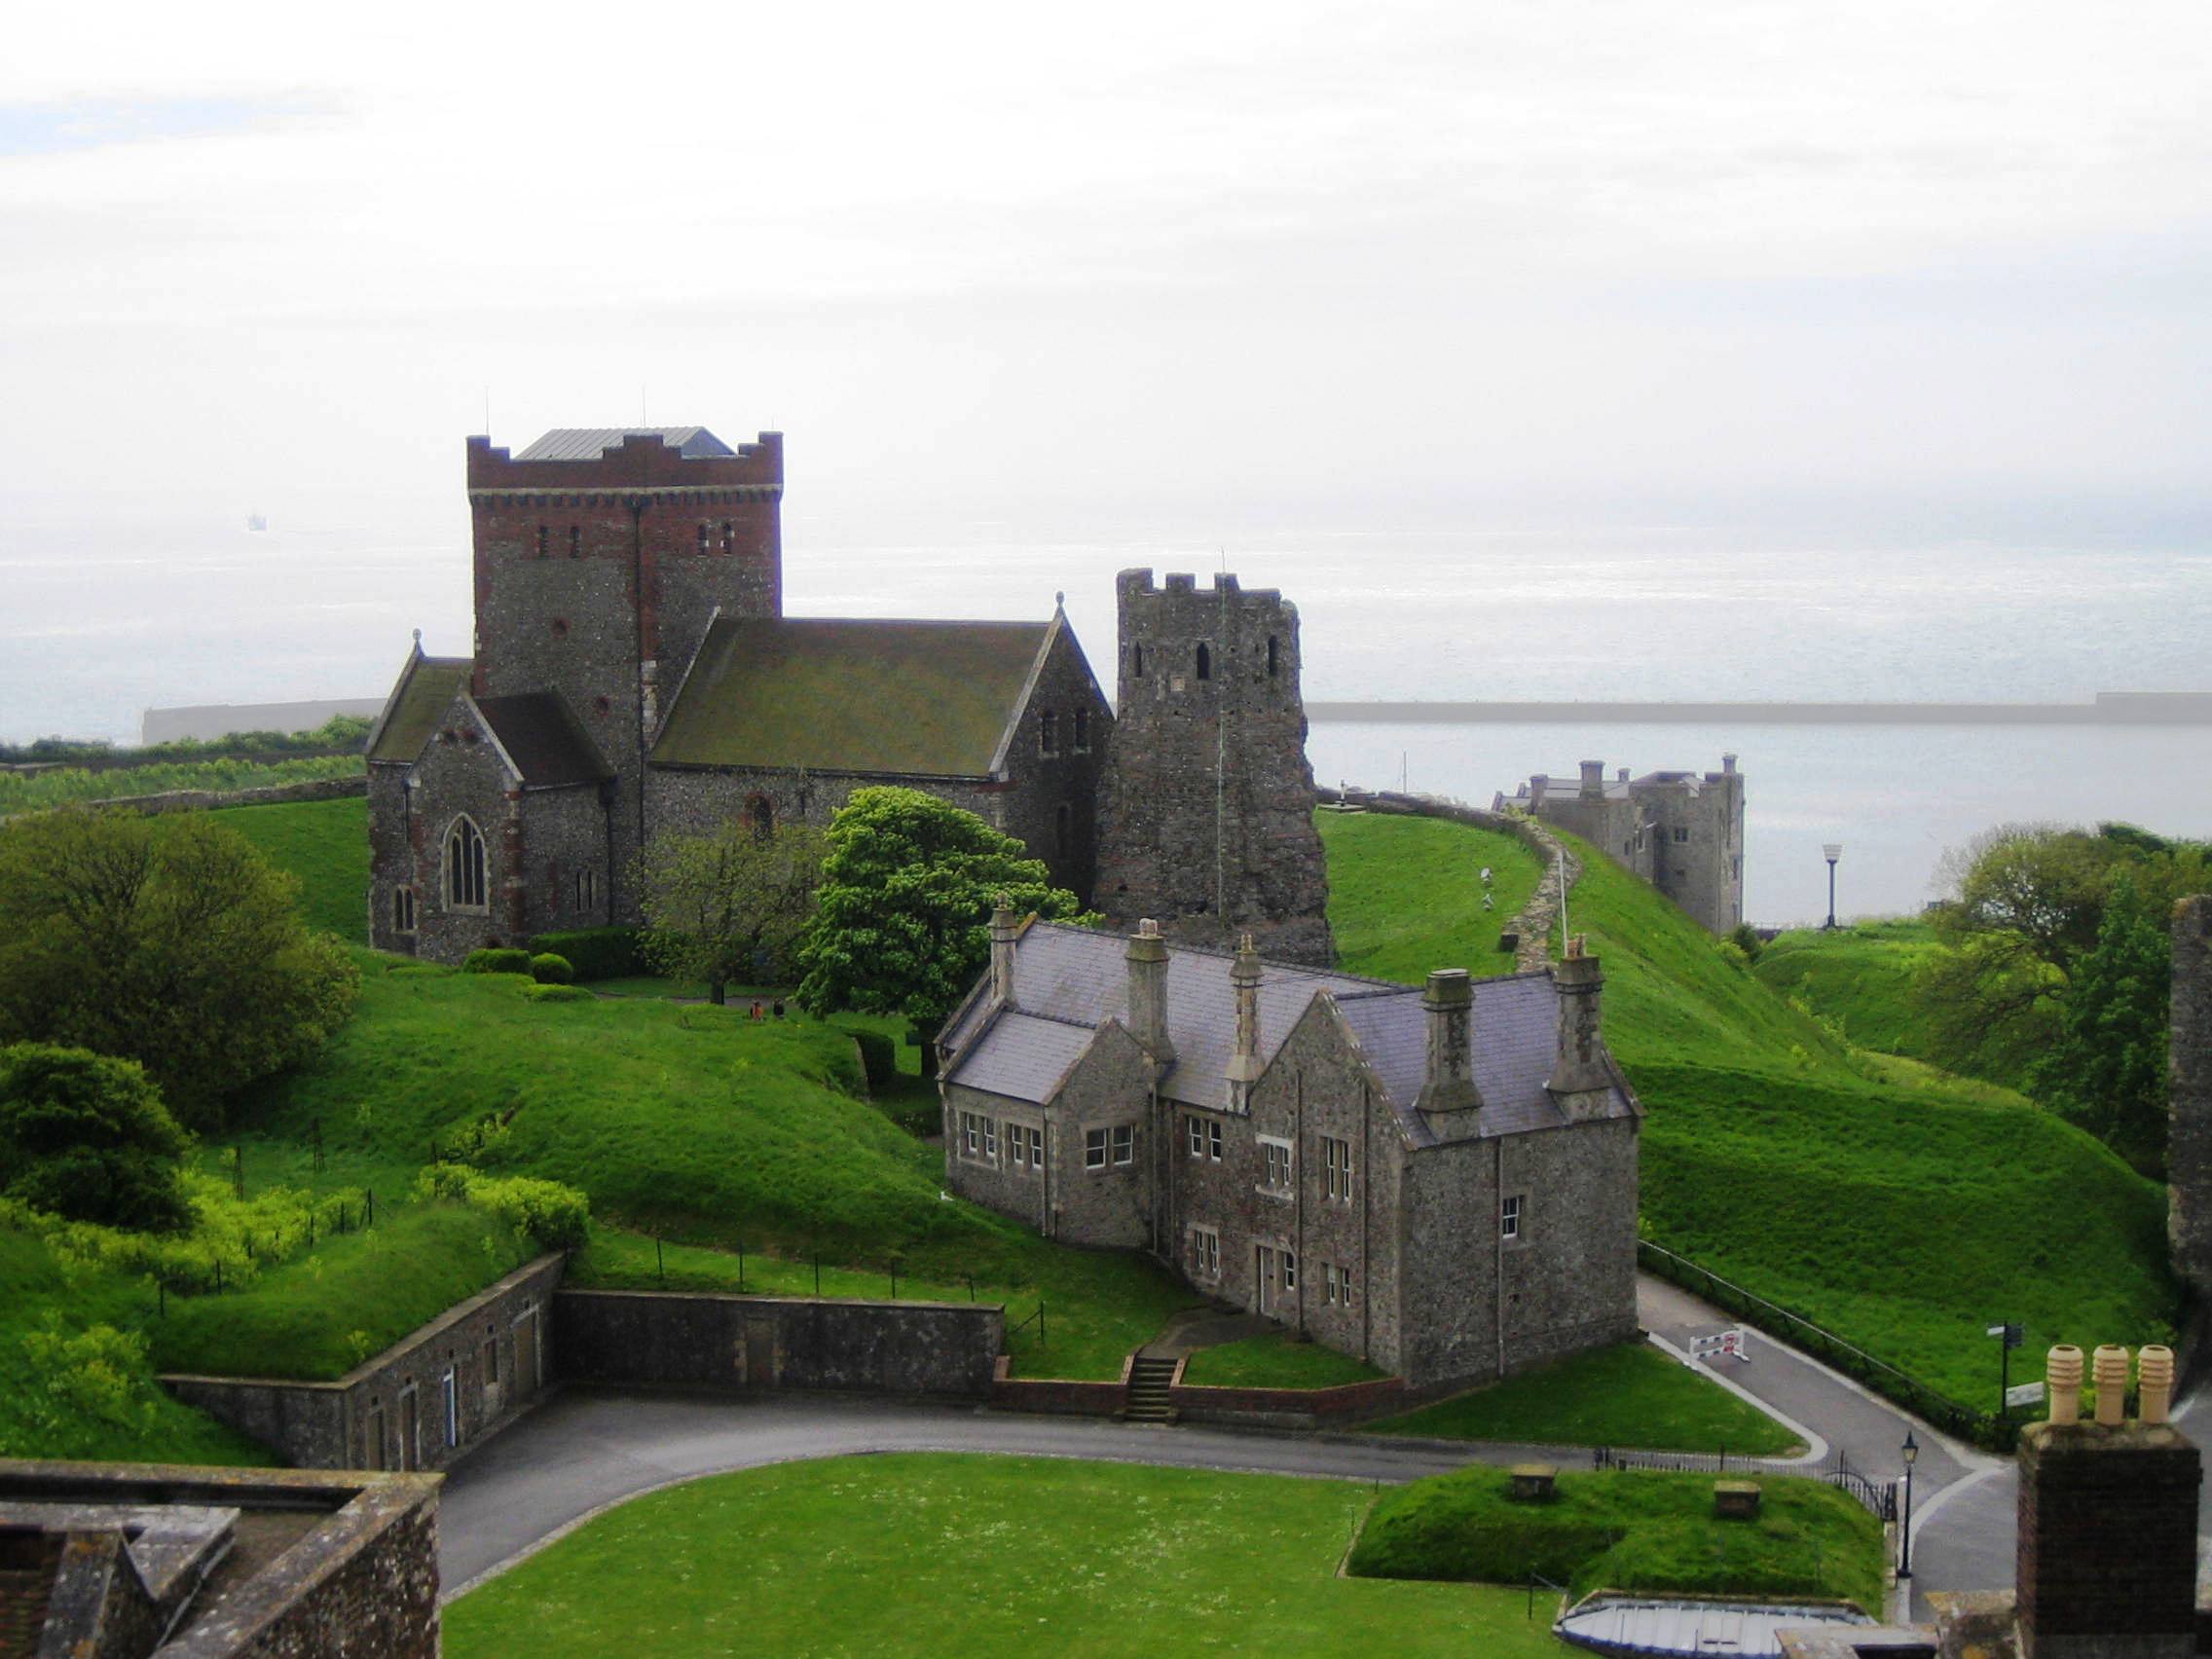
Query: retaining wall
{"type": "Point", "coordinates": [399, 1411]}
{"type": "Point", "coordinates": [202, 800]}
{"type": "Point", "coordinates": [1340, 1407]}
{"type": "Point", "coordinates": [772, 1342]}
{"type": "Point", "coordinates": [1061, 1397]}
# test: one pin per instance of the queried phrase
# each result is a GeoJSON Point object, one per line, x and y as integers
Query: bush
{"type": "Point", "coordinates": [597, 953]}
{"type": "Point", "coordinates": [542, 992]}
{"type": "Point", "coordinates": [879, 1057]}
{"type": "Point", "coordinates": [1734, 955]}
{"type": "Point", "coordinates": [503, 961]}
{"type": "Point", "coordinates": [547, 969]}
{"type": "Point", "coordinates": [1746, 939]}
{"type": "Point", "coordinates": [87, 1137]}
{"type": "Point", "coordinates": [553, 1213]}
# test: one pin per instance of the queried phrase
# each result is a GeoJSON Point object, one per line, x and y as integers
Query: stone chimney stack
{"type": "Point", "coordinates": [2106, 1561]}
{"type": "Point", "coordinates": [1592, 780]}
{"type": "Point", "coordinates": [2188, 1125]}
{"type": "Point", "coordinates": [1538, 785]}
{"type": "Point", "coordinates": [1727, 766]}
{"type": "Point", "coordinates": [1579, 1079]}
{"type": "Point", "coordinates": [1245, 1058]}
{"type": "Point", "coordinates": [1004, 931]}
{"type": "Point", "coordinates": [1148, 991]}
{"type": "Point", "coordinates": [1449, 1001]}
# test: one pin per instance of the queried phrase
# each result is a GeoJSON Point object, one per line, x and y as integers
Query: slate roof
{"type": "Point", "coordinates": [1069, 980]}
{"type": "Point", "coordinates": [926, 699]}
{"type": "Point", "coordinates": [589, 443]}
{"type": "Point", "coordinates": [427, 686]}
{"type": "Point", "coordinates": [544, 740]}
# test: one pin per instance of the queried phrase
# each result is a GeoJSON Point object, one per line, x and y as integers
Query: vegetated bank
{"type": "Point", "coordinates": [1861, 977]}
{"type": "Point", "coordinates": [1904, 1209]}
{"type": "Point", "coordinates": [919, 1554]}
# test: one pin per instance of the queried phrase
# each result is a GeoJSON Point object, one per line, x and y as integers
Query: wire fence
{"type": "Point", "coordinates": [1877, 1496]}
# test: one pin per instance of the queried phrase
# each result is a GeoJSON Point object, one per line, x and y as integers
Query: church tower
{"type": "Point", "coordinates": [1205, 817]}
{"type": "Point", "coordinates": [601, 555]}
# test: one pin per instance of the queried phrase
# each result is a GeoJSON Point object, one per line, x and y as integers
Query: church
{"type": "Point", "coordinates": [633, 671]}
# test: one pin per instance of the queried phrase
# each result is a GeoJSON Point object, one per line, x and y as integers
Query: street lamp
{"type": "Point", "coordinates": [1831, 850]}
{"type": "Point", "coordinates": [1910, 1450]}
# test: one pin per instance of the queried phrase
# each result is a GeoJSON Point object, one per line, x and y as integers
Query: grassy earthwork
{"type": "Point", "coordinates": [927, 1555]}
{"type": "Point", "coordinates": [1275, 1360]}
{"type": "Point", "coordinates": [1630, 1396]}
{"type": "Point", "coordinates": [325, 845]}
{"type": "Point", "coordinates": [1396, 919]}
{"type": "Point", "coordinates": [1859, 976]}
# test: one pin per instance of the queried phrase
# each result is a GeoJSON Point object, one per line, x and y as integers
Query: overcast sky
{"type": "Point", "coordinates": [1454, 259]}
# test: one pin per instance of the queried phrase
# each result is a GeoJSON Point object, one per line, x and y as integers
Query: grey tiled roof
{"type": "Point", "coordinates": [589, 443]}
{"type": "Point", "coordinates": [1068, 981]}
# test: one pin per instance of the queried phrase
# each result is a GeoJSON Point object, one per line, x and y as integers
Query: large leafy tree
{"type": "Point", "coordinates": [88, 1137]}
{"type": "Point", "coordinates": [2106, 1070]}
{"type": "Point", "coordinates": [904, 921]}
{"type": "Point", "coordinates": [731, 905]}
{"type": "Point", "coordinates": [167, 940]}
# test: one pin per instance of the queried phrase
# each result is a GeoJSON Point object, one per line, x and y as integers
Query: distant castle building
{"type": "Point", "coordinates": [1206, 808]}
{"type": "Point", "coordinates": [1681, 832]}
{"type": "Point", "coordinates": [1442, 1181]}
{"type": "Point", "coordinates": [633, 671]}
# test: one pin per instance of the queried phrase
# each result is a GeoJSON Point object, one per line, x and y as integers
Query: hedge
{"type": "Point", "coordinates": [879, 1056]}
{"type": "Point", "coordinates": [496, 962]}
{"type": "Point", "coordinates": [597, 953]}
{"type": "Point", "coordinates": [549, 969]}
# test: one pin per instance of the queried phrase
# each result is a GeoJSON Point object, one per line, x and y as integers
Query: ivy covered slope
{"type": "Point", "coordinates": [1905, 1209]}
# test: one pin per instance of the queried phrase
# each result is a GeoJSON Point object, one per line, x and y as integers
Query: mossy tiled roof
{"type": "Point", "coordinates": [427, 686]}
{"type": "Point", "coordinates": [929, 699]}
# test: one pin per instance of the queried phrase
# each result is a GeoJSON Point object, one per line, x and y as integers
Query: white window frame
{"type": "Point", "coordinates": [1279, 1166]}
{"type": "Point", "coordinates": [1289, 1260]}
{"type": "Point", "coordinates": [1094, 1149]}
{"type": "Point", "coordinates": [1205, 1251]}
{"type": "Point", "coordinates": [970, 1134]}
{"type": "Point", "coordinates": [990, 1140]}
{"type": "Point", "coordinates": [1213, 1140]}
{"type": "Point", "coordinates": [1335, 1169]}
{"type": "Point", "coordinates": [1196, 1134]}
{"type": "Point", "coordinates": [1125, 1143]}
{"type": "Point", "coordinates": [1509, 1217]}
{"type": "Point", "coordinates": [1681, 835]}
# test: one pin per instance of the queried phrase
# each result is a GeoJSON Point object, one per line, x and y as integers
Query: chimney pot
{"type": "Point", "coordinates": [2155, 1380]}
{"type": "Point", "coordinates": [2062, 1371]}
{"type": "Point", "coordinates": [2110, 1368]}
{"type": "Point", "coordinates": [1004, 932]}
{"type": "Point", "coordinates": [1244, 988]}
{"type": "Point", "coordinates": [1449, 1001]}
{"type": "Point", "coordinates": [1147, 959]}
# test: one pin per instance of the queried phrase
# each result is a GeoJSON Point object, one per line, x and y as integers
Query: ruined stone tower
{"type": "Point", "coordinates": [2189, 1132]}
{"type": "Point", "coordinates": [1206, 818]}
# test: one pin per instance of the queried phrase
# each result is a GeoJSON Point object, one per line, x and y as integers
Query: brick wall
{"type": "Point", "coordinates": [391, 1412]}
{"type": "Point", "coordinates": [2106, 1563]}
{"type": "Point", "coordinates": [778, 1343]}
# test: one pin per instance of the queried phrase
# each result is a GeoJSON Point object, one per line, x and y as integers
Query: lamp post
{"type": "Point", "coordinates": [1910, 1450]}
{"type": "Point", "coordinates": [1831, 850]}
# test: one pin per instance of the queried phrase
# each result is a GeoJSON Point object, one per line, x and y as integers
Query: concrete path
{"type": "Point", "coordinates": [587, 1449]}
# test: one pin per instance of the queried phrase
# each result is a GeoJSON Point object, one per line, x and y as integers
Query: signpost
{"type": "Point", "coordinates": [2024, 1394]}
{"type": "Point", "coordinates": [2012, 1337]}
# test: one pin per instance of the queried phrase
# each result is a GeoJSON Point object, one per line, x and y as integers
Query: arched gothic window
{"type": "Point", "coordinates": [465, 866]}
{"type": "Point", "coordinates": [1206, 660]}
{"type": "Point", "coordinates": [761, 812]}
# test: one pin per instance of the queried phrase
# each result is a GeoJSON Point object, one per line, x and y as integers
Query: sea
{"type": "Point", "coordinates": [106, 610]}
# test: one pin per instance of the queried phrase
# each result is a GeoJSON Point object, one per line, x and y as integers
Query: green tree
{"type": "Point", "coordinates": [731, 904]}
{"type": "Point", "coordinates": [86, 1136]}
{"type": "Point", "coordinates": [168, 941]}
{"type": "Point", "coordinates": [903, 925]}
{"type": "Point", "coordinates": [2106, 1069]}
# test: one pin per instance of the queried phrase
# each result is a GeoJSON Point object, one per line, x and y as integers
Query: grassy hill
{"type": "Point", "coordinates": [1907, 1209]}
{"type": "Point", "coordinates": [1391, 916]}
{"type": "Point", "coordinates": [1860, 975]}
{"type": "Point", "coordinates": [325, 844]}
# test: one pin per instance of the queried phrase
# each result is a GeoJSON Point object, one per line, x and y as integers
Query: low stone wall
{"type": "Point", "coordinates": [204, 801]}
{"type": "Point", "coordinates": [421, 1403]}
{"type": "Point", "coordinates": [1289, 1408]}
{"type": "Point", "coordinates": [1535, 919]}
{"type": "Point", "coordinates": [773, 1341]}
{"type": "Point", "coordinates": [1062, 1397]}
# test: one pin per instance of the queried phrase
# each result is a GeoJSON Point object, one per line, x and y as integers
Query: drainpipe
{"type": "Point", "coordinates": [1498, 1245]}
{"type": "Point", "coordinates": [1298, 1193]}
{"type": "Point", "coordinates": [1365, 1177]}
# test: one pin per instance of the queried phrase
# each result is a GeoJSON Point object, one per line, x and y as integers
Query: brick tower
{"type": "Point", "coordinates": [1206, 818]}
{"type": "Point", "coordinates": [2189, 1126]}
{"type": "Point", "coordinates": [600, 557]}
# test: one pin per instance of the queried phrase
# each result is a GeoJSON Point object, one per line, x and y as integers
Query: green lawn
{"type": "Point", "coordinates": [1626, 1530]}
{"type": "Point", "coordinates": [1907, 1209]}
{"type": "Point", "coordinates": [697, 1123]}
{"type": "Point", "coordinates": [1274, 1361]}
{"type": "Point", "coordinates": [1392, 915]}
{"type": "Point", "coordinates": [925, 1555]}
{"type": "Point", "coordinates": [325, 844]}
{"type": "Point", "coordinates": [1628, 1397]}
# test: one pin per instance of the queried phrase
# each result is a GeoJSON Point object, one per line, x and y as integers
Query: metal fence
{"type": "Point", "coordinates": [1877, 1496]}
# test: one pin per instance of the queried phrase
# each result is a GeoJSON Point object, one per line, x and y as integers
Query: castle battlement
{"type": "Point", "coordinates": [591, 457]}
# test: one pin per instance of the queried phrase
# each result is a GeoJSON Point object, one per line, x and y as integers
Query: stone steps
{"type": "Point", "coordinates": [1146, 1399]}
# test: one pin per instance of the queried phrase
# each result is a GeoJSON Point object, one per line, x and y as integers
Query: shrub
{"type": "Point", "coordinates": [500, 961]}
{"type": "Point", "coordinates": [879, 1057]}
{"type": "Point", "coordinates": [87, 1137]}
{"type": "Point", "coordinates": [1734, 955]}
{"type": "Point", "coordinates": [556, 993]}
{"type": "Point", "coordinates": [553, 1213]}
{"type": "Point", "coordinates": [1746, 939]}
{"type": "Point", "coordinates": [547, 969]}
{"type": "Point", "coordinates": [597, 953]}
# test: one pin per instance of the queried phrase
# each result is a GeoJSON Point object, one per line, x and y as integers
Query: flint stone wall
{"type": "Point", "coordinates": [778, 1343]}
{"type": "Point", "coordinates": [2189, 1151]}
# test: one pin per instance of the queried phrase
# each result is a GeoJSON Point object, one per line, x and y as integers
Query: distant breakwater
{"type": "Point", "coordinates": [2109, 709]}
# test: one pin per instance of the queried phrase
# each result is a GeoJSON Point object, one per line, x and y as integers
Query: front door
{"type": "Point", "coordinates": [1265, 1280]}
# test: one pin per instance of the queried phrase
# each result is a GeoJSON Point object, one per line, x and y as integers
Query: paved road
{"type": "Point", "coordinates": [586, 1449]}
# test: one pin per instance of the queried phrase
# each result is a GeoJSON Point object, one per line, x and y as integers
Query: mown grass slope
{"type": "Point", "coordinates": [695, 1122]}
{"type": "Point", "coordinates": [325, 844]}
{"type": "Point", "coordinates": [1394, 919]}
{"type": "Point", "coordinates": [1902, 1209]}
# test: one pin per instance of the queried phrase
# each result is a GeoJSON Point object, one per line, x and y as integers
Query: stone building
{"type": "Point", "coordinates": [1442, 1181]}
{"type": "Point", "coordinates": [1682, 831]}
{"type": "Point", "coordinates": [633, 670]}
{"type": "Point", "coordinates": [2189, 1124]}
{"type": "Point", "coordinates": [1206, 813]}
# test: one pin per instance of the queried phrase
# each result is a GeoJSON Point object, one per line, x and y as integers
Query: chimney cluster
{"type": "Point", "coordinates": [1592, 780]}
{"type": "Point", "coordinates": [1245, 1058]}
